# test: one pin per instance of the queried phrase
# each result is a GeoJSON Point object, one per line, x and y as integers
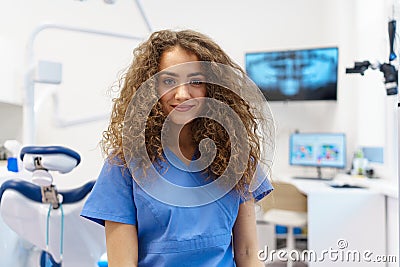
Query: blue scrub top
{"type": "Point", "coordinates": [169, 235]}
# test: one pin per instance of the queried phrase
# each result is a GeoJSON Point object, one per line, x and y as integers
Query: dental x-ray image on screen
{"type": "Point", "coordinates": [308, 74]}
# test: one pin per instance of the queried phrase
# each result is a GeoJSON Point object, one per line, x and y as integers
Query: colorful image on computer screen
{"type": "Point", "coordinates": [329, 153]}
{"type": "Point", "coordinates": [303, 152]}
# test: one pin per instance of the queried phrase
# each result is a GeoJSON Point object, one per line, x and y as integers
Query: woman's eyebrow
{"type": "Point", "coordinates": [169, 73]}
{"type": "Point", "coordinates": [195, 74]}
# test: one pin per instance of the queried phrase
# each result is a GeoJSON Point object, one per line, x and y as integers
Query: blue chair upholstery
{"type": "Point", "coordinates": [27, 189]}
{"type": "Point", "coordinates": [33, 191]}
{"type": "Point", "coordinates": [50, 150]}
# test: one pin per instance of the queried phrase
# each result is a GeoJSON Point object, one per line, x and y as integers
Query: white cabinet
{"type": "Point", "coordinates": [393, 230]}
{"type": "Point", "coordinates": [345, 225]}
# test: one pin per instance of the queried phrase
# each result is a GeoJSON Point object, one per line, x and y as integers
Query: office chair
{"type": "Point", "coordinates": [287, 207]}
{"type": "Point", "coordinates": [50, 219]}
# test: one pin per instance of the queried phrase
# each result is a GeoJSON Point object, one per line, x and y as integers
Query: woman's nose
{"type": "Point", "coordinates": [182, 92]}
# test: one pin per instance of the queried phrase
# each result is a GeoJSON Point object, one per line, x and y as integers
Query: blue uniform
{"type": "Point", "coordinates": [169, 235]}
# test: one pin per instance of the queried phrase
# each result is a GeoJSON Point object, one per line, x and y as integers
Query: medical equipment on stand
{"type": "Point", "coordinates": [50, 218]}
{"type": "Point", "coordinates": [391, 82]}
{"type": "Point", "coordinates": [390, 71]}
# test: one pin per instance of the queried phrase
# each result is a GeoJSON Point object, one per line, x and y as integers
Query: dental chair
{"type": "Point", "coordinates": [50, 219]}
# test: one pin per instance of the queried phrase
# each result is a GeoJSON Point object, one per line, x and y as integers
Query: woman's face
{"type": "Point", "coordinates": [181, 87]}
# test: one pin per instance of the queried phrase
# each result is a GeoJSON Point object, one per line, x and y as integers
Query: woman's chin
{"type": "Point", "coordinates": [181, 120]}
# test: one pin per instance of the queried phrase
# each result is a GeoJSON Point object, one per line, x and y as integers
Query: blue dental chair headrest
{"type": "Point", "coordinates": [50, 150]}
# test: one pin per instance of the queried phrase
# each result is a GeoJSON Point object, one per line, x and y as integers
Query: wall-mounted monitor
{"type": "Point", "coordinates": [306, 74]}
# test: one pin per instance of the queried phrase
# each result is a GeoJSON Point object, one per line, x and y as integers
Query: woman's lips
{"type": "Point", "coordinates": [182, 108]}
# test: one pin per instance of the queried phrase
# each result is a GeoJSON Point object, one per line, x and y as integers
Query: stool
{"type": "Point", "coordinates": [290, 219]}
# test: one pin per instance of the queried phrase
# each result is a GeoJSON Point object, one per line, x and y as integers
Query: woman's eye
{"type": "Point", "coordinates": [196, 82]}
{"type": "Point", "coordinates": [169, 82]}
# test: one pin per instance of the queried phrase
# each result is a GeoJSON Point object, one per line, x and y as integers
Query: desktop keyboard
{"type": "Point", "coordinates": [346, 186]}
{"type": "Point", "coordinates": [342, 184]}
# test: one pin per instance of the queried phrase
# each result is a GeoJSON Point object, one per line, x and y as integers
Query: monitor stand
{"type": "Point", "coordinates": [318, 178]}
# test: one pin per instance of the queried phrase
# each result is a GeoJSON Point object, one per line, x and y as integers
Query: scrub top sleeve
{"type": "Point", "coordinates": [263, 190]}
{"type": "Point", "coordinates": [264, 187]}
{"type": "Point", "coordinates": [111, 198]}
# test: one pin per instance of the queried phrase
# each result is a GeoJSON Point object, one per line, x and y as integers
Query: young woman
{"type": "Point", "coordinates": [151, 223]}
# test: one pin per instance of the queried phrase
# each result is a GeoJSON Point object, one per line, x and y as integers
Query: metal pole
{"type": "Point", "coordinates": [139, 5]}
{"type": "Point", "coordinates": [29, 120]}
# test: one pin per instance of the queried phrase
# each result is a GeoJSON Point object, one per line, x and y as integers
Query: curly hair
{"type": "Point", "coordinates": [144, 66]}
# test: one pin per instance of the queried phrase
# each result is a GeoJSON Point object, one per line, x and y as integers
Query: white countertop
{"type": "Point", "coordinates": [307, 187]}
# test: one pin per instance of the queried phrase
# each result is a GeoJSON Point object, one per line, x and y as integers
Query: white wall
{"type": "Point", "coordinates": [91, 64]}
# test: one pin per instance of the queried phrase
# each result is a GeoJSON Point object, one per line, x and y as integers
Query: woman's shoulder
{"type": "Point", "coordinates": [115, 171]}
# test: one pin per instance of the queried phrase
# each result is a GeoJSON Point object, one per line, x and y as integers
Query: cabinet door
{"type": "Point", "coordinates": [344, 226]}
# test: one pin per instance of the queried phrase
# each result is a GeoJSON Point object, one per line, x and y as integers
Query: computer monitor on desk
{"type": "Point", "coordinates": [320, 150]}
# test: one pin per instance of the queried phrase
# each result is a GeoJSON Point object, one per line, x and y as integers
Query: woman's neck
{"type": "Point", "coordinates": [181, 142]}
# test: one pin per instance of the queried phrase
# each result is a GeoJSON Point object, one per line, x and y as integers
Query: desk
{"type": "Point", "coordinates": [343, 223]}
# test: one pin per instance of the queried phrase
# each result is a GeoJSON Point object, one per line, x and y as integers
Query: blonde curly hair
{"type": "Point", "coordinates": [143, 67]}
